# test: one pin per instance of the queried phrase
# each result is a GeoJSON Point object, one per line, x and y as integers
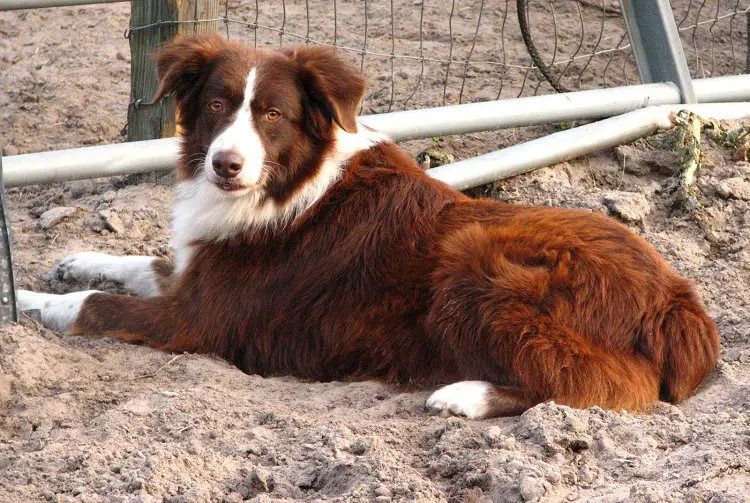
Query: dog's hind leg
{"type": "Point", "coordinates": [554, 363]}
{"type": "Point", "coordinates": [477, 400]}
{"type": "Point", "coordinates": [139, 275]}
{"type": "Point", "coordinates": [510, 316]}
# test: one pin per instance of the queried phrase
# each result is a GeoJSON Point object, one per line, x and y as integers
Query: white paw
{"type": "Point", "coordinates": [58, 312]}
{"type": "Point", "coordinates": [135, 274]}
{"type": "Point", "coordinates": [465, 398]}
{"type": "Point", "coordinates": [77, 267]}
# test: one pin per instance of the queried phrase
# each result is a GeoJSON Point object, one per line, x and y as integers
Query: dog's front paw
{"type": "Point", "coordinates": [465, 398]}
{"type": "Point", "coordinates": [134, 274]}
{"type": "Point", "coordinates": [81, 267]}
{"type": "Point", "coordinates": [58, 312]}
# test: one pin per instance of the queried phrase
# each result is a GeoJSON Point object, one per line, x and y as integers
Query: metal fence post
{"type": "Point", "coordinates": [8, 309]}
{"type": "Point", "coordinates": [656, 44]}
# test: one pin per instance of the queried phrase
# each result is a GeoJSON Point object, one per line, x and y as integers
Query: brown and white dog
{"type": "Point", "coordinates": [309, 245]}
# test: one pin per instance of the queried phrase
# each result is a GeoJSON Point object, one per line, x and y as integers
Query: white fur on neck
{"type": "Point", "coordinates": [204, 213]}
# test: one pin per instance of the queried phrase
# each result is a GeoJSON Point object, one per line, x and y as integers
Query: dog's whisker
{"type": "Point", "coordinates": [270, 173]}
{"type": "Point", "coordinates": [275, 164]}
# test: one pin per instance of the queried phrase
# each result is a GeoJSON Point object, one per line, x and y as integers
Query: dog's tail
{"type": "Point", "coordinates": [690, 346]}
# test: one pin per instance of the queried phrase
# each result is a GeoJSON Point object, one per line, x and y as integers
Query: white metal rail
{"type": "Point", "coordinates": [575, 142]}
{"type": "Point", "coordinates": [39, 4]}
{"type": "Point", "coordinates": [160, 155]}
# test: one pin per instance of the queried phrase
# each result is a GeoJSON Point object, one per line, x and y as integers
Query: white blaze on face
{"type": "Point", "coordinates": [241, 137]}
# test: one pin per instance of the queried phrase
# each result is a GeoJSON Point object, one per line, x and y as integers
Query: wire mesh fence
{"type": "Point", "coordinates": [714, 36]}
{"type": "Point", "coordinates": [422, 53]}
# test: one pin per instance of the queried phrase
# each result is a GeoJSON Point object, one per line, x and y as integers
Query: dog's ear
{"type": "Point", "coordinates": [183, 65]}
{"type": "Point", "coordinates": [331, 85]}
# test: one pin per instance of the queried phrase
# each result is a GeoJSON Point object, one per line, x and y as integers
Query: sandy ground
{"type": "Point", "coordinates": [97, 420]}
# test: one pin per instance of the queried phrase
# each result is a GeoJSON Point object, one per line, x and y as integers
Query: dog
{"type": "Point", "coordinates": [307, 244]}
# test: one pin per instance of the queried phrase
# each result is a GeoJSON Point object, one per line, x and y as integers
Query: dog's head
{"type": "Point", "coordinates": [257, 121]}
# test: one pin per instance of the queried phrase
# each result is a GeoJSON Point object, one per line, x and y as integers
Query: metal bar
{"type": "Point", "coordinates": [517, 112]}
{"type": "Point", "coordinates": [656, 44]}
{"type": "Point", "coordinates": [722, 89]}
{"type": "Point", "coordinates": [41, 4]}
{"type": "Point", "coordinates": [153, 155]}
{"type": "Point", "coordinates": [91, 162]}
{"type": "Point", "coordinates": [580, 105]}
{"type": "Point", "coordinates": [8, 309]}
{"type": "Point", "coordinates": [571, 143]}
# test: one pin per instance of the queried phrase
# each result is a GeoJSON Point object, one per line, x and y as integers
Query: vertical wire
{"type": "Point", "coordinates": [625, 60]}
{"type": "Point", "coordinates": [450, 50]}
{"type": "Point", "coordinates": [393, 54]}
{"type": "Point", "coordinates": [421, 53]}
{"type": "Point", "coordinates": [504, 68]}
{"type": "Point", "coordinates": [226, 17]}
{"type": "Point", "coordinates": [523, 83]}
{"type": "Point", "coordinates": [335, 24]}
{"type": "Point", "coordinates": [255, 30]}
{"type": "Point", "coordinates": [580, 43]}
{"type": "Point", "coordinates": [612, 57]}
{"type": "Point", "coordinates": [713, 40]}
{"type": "Point", "coordinates": [554, 50]}
{"type": "Point", "coordinates": [731, 36]}
{"type": "Point", "coordinates": [685, 18]}
{"type": "Point", "coordinates": [698, 63]}
{"type": "Point", "coordinates": [687, 13]}
{"type": "Point", "coordinates": [307, 17]}
{"type": "Point", "coordinates": [596, 46]}
{"type": "Point", "coordinates": [471, 51]}
{"type": "Point", "coordinates": [364, 44]}
{"type": "Point", "coordinates": [283, 23]}
{"type": "Point", "coordinates": [195, 19]}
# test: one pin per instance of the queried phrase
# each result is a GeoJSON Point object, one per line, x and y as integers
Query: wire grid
{"type": "Point", "coordinates": [423, 53]}
{"type": "Point", "coordinates": [714, 36]}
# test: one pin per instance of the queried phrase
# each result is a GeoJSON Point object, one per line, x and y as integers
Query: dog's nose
{"type": "Point", "coordinates": [228, 163]}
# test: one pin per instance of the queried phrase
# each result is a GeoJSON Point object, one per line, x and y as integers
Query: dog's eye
{"type": "Point", "coordinates": [216, 106]}
{"type": "Point", "coordinates": [273, 115]}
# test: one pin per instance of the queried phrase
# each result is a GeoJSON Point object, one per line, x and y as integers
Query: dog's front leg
{"type": "Point", "coordinates": [139, 275]}
{"type": "Point", "coordinates": [58, 312]}
{"type": "Point", "coordinates": [153, 320]}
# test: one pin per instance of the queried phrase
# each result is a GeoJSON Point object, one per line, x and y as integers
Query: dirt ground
{"type": "Point", "coordinates": [97, 420]}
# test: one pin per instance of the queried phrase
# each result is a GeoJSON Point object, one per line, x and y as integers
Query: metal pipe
{"type": "Point", "coordinates": [90, 162]}
{"type": "Point", "coordinates": [722, 89]}
{"type": "Point", "coordinates": [580, 105]}
{"type": "Point", "coordinates": [565, 145]}
{"type": "Point", "coordinates": [488, 115]}
{"type": "Point", "coordinates": [41, 4]}
{"type": "Point", "coordinates": [153, 155]}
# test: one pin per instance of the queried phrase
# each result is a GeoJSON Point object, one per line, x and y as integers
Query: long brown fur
{"type": "Point", "coordinates": [393, 275]}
